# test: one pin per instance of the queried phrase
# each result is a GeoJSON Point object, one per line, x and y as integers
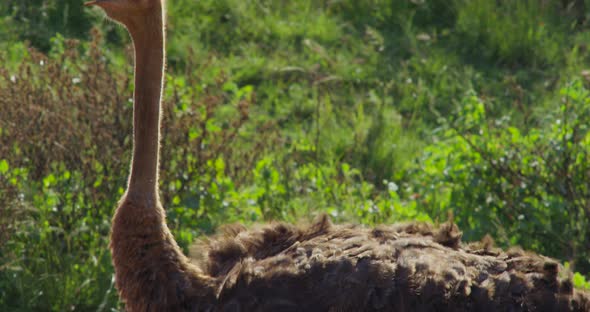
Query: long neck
{"type": "Point", "coordinates": [151, 272]}
{"type": "Point", "coordinates": [149, 42]}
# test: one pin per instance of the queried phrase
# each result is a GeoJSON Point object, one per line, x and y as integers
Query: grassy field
{"type": "Point", "coordinates": [372, 111]}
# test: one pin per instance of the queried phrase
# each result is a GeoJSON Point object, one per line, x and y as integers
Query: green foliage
{"type": "Point", "coordinates": [57, 256]}
{"type": "Point", "coordinates": [580, 281]}
{"type": "Point", "coordinates": [512, 32]}
{"type": "Point", "coordinates": [38, 20]}
{"type": "Point", "coordinates": [370, 111]}
{"type": "Point", "coordinates": [529, 188]}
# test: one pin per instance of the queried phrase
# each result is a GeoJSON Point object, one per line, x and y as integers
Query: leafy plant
{"type": "Point", "coordinates": [529, 188]}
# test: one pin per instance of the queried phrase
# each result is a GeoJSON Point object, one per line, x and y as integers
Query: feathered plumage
{"type": "Point", "coordinates": [325, 267]}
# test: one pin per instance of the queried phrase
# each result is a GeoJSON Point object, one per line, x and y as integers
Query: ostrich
{"type": "Point", "coordinates": [317, 267]}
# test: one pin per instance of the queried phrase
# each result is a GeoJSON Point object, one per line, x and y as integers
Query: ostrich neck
{"type": "Point", "coordinates": [149, 42]}
{"type": "Point", "coordinates": [151, 272]}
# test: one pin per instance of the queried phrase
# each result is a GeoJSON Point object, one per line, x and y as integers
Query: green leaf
{"type": "Point", "coordinates": [219, 165]}
{"type": "Point", "coordinates": [98, 181]}
{"type": "Point", "coordinates": [176, 200]}
{"type": "Point", "coordinates": [49, 180]}
{"type": "Point", "coordinates": [580, 281]}
{"type": "Point", "coordinates": [4, 166]}
{"type": "Point", "coordinates": [193, 133]}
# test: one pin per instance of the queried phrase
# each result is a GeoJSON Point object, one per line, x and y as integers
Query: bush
{"type": "Point", "coordinates": [526, 187]}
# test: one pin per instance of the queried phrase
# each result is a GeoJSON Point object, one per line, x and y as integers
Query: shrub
{"type": "Point", "coordinates": [526, 187]}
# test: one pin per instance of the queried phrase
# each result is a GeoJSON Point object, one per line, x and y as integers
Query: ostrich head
{"type": "Point", "coordinates": [129, 12]}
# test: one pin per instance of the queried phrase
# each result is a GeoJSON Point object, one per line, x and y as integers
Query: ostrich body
{"type": "Point", "coordinates": [319, 267]}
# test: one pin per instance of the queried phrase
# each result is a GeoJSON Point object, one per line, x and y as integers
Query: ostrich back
{"type": "Point", "coordinates": [404, 267]}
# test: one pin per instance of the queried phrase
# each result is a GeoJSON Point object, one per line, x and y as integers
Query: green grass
{"type": "Point", "coordinates": [360, 109]}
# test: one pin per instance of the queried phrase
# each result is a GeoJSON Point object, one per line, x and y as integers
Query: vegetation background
{"type": "Point", "coordinates": [372, 111]}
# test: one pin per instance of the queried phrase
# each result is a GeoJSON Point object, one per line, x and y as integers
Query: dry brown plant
{"type": "Point", "coordinates": [76, 109]}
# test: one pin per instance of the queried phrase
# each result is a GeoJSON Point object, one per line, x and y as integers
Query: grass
{"type": "Point", "coordinates": [282, 110]}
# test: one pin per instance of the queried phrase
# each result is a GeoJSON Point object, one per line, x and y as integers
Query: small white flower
{"type": "Point", "coordinates": [392, 187]}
